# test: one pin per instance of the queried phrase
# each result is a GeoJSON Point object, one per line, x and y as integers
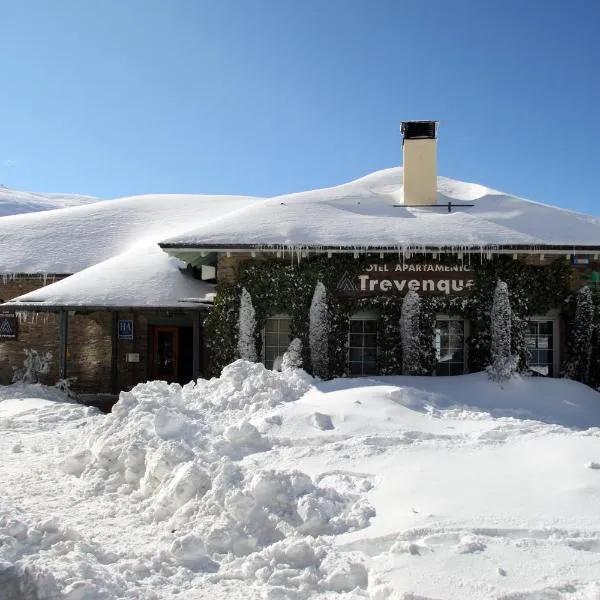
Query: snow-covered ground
{"type": "Point", "coordinates": [273, 486]}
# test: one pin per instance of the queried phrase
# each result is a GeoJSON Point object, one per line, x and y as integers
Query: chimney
{"type": "Point", "coordinates": [419, 146]}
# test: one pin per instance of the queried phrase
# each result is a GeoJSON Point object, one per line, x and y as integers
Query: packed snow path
{"type": "Point", "coordinates": [270, 485]}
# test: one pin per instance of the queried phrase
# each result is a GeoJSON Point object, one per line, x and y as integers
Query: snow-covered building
{"type": "Point", "coordinates": [179, 281]}
{"type": "Point", "coordinates": [91, 286]}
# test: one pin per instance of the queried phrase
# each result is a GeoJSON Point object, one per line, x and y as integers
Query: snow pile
{"type": "Point", "coordinates": [177, 455]}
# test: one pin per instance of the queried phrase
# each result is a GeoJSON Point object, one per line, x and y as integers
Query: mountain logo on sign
{"type": "Point", "coordinates": [346, 284]}
{"type": "Point", "coordinates": [6, 327]}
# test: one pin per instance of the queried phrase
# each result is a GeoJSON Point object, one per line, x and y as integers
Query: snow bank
{"type": "Point", "coordinates": [178, 454]}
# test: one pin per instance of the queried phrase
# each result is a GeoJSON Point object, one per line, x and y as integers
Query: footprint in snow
{"type": "Point", "coordinates": [501, 571]}
{"type": "Point", "coordinates": [593, 465]}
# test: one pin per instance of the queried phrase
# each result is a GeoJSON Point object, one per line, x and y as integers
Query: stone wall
{"type": "Point", "coordinates": [227, 266]}
{"type": "Point", "coordinates": [37, 332]}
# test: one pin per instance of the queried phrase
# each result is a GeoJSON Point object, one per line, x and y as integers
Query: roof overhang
{"type": "Point", "coordinates": [40, 307]}
{"type": "Point", "coordinates": [203, 251]}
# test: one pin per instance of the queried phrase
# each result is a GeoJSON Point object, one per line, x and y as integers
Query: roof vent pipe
{"type": "Point", "coordinates": [419, 146]}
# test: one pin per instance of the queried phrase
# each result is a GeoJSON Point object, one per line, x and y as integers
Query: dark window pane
{"type": "Point", "coordinates": [355, 368]}
{"type": "Point", "coordinates": [356, 340]}
{"type": "Point", "coordinates": [356, 326]}
{"type": "Point", "coordinates": [370, 354]}
{"type": "Point", "coordinates": [370, 326]}
{"type": "Point", "coordinates": [271, 339]}
{"type": "Point", "coordinates": [370, 368]}
{"type": "Point", "coordinates": [371, 341]}
{"type": "Point", "coordinates": [356, 354]}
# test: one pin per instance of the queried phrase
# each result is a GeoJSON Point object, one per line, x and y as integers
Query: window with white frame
{"type": "Point", "coordinates": [449, 345]}
{"type": "Point", "coordinates": [276, 339]}
{"type": "Point", "coordinates": [362, 344]}
{"type": "Point", "coordinates": [540, 344]}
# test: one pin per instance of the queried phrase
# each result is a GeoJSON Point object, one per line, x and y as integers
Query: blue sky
{"type": "Point", "coordinates": [112, 97]}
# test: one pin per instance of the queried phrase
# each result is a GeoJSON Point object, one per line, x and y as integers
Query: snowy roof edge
{"type": "Point", "coordinates": [475, 248]}
{"type": "Point", "coordinates": [57, 307]}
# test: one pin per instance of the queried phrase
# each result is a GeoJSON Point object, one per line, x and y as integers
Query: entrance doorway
{"type": "Point", "coordinates": [172, 354]}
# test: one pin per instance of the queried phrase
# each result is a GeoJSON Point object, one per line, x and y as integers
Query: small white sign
{"type": "Point", "coordinates": [543, 343]}
{"type": "Point", "coordinates": [133, 357]}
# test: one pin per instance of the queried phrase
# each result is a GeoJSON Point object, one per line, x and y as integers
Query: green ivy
{"type": "Point", "coordinates": [276, 286]}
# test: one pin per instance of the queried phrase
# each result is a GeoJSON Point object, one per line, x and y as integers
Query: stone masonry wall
{"type": "Point", "coordinates": [38, 332]}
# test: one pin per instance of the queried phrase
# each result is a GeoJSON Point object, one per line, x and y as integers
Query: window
{"type": "Point", "coordinates": [362, 345]}
{"type": "Point", "coordinates": [449, 346]}
{"type": "Point", "coordinates": [276, 340]}
{"type": "Point", "coordinates": [540, 343]}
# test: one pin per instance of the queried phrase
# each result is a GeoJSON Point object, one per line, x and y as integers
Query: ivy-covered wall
{"type": "Point", "coordinates": [276, 286]}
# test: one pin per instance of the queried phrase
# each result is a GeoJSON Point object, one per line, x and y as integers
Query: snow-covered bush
{"type": "Point", "coordinates": [504, 364]}
{"type": "Point", "coordinates": [64, 385]}
{"type": "Point", "coordinates": [580, 337]}
{"type": "Point", "coordinates": [292, 358]}
{"type": "Point", "coordinates": [34, 365]}
{"type": "Point", "coordinates": [318, 332]}
{"type": "Point", "coordinates": [247, 328]}
{"type": "Point", "coordinates": [410, 332]}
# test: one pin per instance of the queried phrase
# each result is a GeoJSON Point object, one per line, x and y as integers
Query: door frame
{"type": "Point", "coordinates": [156, 329]}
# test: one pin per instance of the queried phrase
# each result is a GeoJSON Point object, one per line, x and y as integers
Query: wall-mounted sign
{"type": "Point", "coordinates": [125, 329]}
{"type": "Point", "coordinates": [8, 327]}
{"type": "Point", "coordinates": [399, 278]}
{"type": "Point", "coordinates": [133, 357]}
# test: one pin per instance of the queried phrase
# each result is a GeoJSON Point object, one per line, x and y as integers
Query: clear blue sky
{"type": "Point", "coordinates": [117, 97]}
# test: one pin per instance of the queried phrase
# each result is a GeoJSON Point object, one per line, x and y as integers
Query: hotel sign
{"type": "Point", "coordinates": [399, 278]}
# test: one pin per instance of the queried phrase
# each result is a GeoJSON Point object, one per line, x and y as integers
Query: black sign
{"type": "Point", "coordinates": [8, 327]}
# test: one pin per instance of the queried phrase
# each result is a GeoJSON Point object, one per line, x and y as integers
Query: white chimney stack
{"type": "Point", "coordinates": [419, 146]}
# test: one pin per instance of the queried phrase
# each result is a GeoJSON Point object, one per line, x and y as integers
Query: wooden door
{"type": "Point", "coordinates": [166, 353]}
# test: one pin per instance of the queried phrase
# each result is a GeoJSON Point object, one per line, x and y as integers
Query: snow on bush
{"type": "Point", "coordinates": [504, 364]}
{"type": "Point", "coordinates": [292, 358]}
{"type": "Point", "coordinates": [247, 328]}
{"type": "Point", "coordinates": [409, 331]}
{"type": "Point", "coordinates": [318, 332]}
{"type": "Point", "coordinates": [34, 365]}
{"type": "Point", "coordinates": [580, 337]}
{"type": "Point", "coordinates": [176, 454]}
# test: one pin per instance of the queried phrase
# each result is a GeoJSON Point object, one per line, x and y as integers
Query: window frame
{"type": "Point", "coordinates": [465, 322]}
{"type": "Point", "coordinates": [551, 318]}
{"type": "Point", "coordinates": [363, 316]}
{"type": "Point", "coordinates": [276, 317]}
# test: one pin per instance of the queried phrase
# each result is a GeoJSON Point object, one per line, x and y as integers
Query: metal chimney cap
{"type": "Point", "coordinates": [419, 130]}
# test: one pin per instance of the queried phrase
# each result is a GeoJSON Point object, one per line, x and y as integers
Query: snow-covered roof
{"type": "Point", "coordinates": [369, 213]}
{"type": "Point", "coordinates": [15, 202]}
{"type": "Point", "coordinates": [68, 240]}
{"type": "Point", "coordinates": [143, 277]}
